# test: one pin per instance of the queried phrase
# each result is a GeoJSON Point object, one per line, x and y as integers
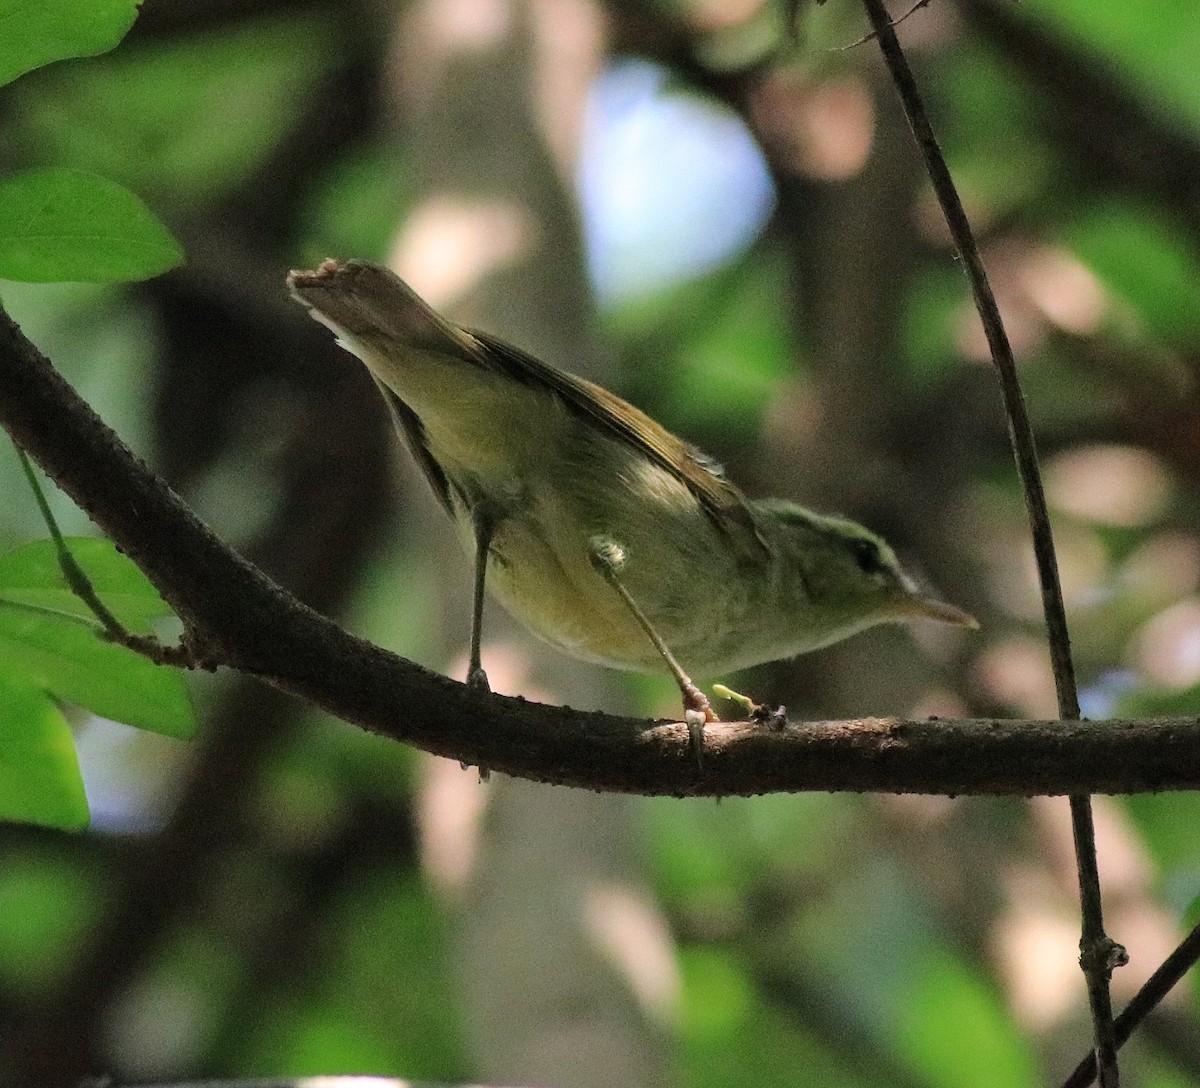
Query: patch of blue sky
{"type": "Point", "coordinates": [1102, 698]}
{"type": "Point", "coordinates": [671, 185]}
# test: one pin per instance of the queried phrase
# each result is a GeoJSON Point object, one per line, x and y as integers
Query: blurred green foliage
{"type": "Point", "coordinates": [1153, 47]}
{"type": "Point", "coordinates": [677, 367]}
{"type": "Point", "coordinates": [49, 900]}
{"type": "Point", "coordinates": [178, 121]}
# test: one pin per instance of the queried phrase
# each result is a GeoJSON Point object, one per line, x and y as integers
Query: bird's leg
{"type": "Point", "coordinates": [608, 557]}
{"type": "Point", "coordinates": [484, 527]}
{"type": "Point", "coordinates": [476, 678]}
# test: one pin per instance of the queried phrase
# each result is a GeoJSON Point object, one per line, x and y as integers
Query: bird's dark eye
{"type": "Point", "coordinates": [868, 556]}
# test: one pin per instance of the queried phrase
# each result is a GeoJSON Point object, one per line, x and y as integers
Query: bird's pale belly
{"type": "Point", "coordinates": [559, 594]}
{"type": "Point", "coordinates": [567, 602]}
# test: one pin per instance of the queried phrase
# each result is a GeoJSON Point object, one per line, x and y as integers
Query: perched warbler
{"type": "Point", "coordinates": [604, 533]}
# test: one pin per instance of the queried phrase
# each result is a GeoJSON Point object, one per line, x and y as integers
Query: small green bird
{"type": "Point", "coordinates": [604, 533]}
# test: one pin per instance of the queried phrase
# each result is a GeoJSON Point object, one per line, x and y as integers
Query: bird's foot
{"type": "Point", "coordinates": [477, 682]}
{"type": "Point", "coordinates": [697, 712]}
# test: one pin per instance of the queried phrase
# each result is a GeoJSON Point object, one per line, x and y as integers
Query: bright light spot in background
{"type": "Point", "coordinates": [671, 185]}
{"type": "Point", "coordinates": [1167, 649]}
{"type": "Point", "coordinates": [631, 933]}
{"type": "Point", "coordinates": [449, 245]}
{"type": "Point", "coordinates": [1111, 484]}
{"type": "Point", "coordinates": [1016, 672]}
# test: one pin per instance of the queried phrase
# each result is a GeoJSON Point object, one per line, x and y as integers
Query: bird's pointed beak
{"type": "Point", "coordinates": [919, 606]}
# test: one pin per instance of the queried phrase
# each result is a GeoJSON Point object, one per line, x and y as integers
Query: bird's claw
{"type": "Point", "coordinates": [758, 713]}
{"type": "Point", "coordinates": [696, 721]}
{"type": "Point", "coordinates": [772, 719]}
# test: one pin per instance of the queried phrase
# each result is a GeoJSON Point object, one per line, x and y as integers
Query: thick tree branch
{"type": "Point", "coordinates": [245, 621]}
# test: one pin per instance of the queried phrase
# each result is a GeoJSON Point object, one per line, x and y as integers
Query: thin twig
{"type": "Point", "coordinates": [873, 34]}
{"type": "Point", "coordinates": [1156, 987]}
{"type": "Point", "coordinates": [1098, 954]}
{"type": "Point", "coordinates": [77, 581]}
{"type": "Point", "coordinates": [81, 585]}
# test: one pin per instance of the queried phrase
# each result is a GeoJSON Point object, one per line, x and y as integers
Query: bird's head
{"type": "Point", "coordinates": [850, 574]}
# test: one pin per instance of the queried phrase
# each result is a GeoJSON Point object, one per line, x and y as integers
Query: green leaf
{"type": "Point", "coordinates": [39, 774]}
{"type": "Point", "coordinates": [59, 224]}
{"type": "Point", "coordinates": [38, 32]}
{"type": "Point", "coordinates": [65, 655]}
{"type": "Point", "coordinates": [30, 575]}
